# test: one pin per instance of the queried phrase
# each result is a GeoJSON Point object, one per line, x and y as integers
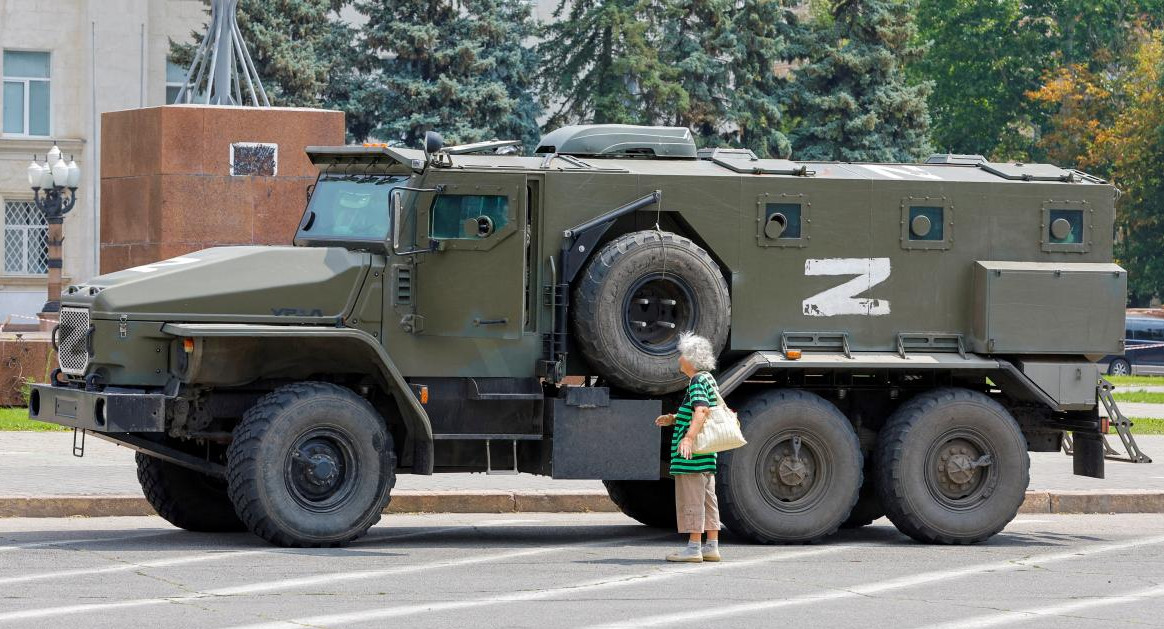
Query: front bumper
{"type": "Point", "coordinates": [124, 410]}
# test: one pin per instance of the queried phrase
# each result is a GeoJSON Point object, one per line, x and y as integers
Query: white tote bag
{"type": "Point", "coordinates": [721, 430]}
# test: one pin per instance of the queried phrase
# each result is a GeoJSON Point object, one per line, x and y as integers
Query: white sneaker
{"type": "Point", "coordinates": [689, 554]}
{"type": "Point", "coordinates": [711, 554]}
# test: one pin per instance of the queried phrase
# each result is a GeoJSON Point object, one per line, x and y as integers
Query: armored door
{"type": "Point", "coordinates": [474, 284]}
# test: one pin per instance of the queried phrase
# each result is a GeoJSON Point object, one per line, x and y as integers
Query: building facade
{"type": "Point", "coordinates": [64, 63]}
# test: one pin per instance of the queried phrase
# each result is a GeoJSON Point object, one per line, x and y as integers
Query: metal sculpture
{"type": "Point", "coordinates": [222, 65]}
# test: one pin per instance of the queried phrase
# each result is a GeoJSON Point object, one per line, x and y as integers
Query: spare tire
{"type": "Point", "coordinates": [639, 292]}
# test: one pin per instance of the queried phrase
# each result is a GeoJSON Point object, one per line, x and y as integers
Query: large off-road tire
{"type": "Point", "coordinates": [651, 502]}
{"type": "Point", "coordinates": [311, 464]}
{"type": "Point", "coordinates": [868, 507]}
{"type": "Point", "coordinates": [926, 476]}
{"type": "Point", "coordinates": [764, 495]}
{"type": "Point", "coordinates": [638, 293]}
{"type": "Point", "coordinates": [185, 498]}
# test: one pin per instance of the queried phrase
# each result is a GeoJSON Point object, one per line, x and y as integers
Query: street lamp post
{"type": "Point", "coordinates": [54, 187]}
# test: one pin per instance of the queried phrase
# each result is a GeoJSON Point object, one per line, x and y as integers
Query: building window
{"type": "Point", "coordinates": [26, 93]}
{"type": "Point", "coordinates": [25, 239]}
{"type": "Point", "coordinates": [175, 74]}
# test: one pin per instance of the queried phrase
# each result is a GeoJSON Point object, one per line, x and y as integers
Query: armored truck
{"type": "Point", "coordinates": [895, 337]}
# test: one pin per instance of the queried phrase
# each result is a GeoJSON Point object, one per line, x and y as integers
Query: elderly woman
{"type": "Point", "coordinates": [695, 502]}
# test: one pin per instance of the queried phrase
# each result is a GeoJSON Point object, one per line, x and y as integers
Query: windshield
{"type": "Point", "coordinates": [344, 209]}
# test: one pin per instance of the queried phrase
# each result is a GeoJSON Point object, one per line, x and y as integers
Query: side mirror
{"type": "Point", "coordinates": [433, 142]}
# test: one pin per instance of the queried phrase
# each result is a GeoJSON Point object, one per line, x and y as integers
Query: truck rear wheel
{"type": "Point", "coordinates": [311, 464]}
{"type": "Point", "coordinates": [797, 479]}
{"type": "Point", "coordinates": [637, 295]}
{"type": "Point", "coordinates": [651, 502]}
{"type": "Point", "coordinates": [952, 467]}
{"type": "Point", "coordinates": [185, 498]}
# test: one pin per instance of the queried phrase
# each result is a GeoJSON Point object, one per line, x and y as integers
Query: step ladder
{"type": "Point", "coordinates": [1123, 428]}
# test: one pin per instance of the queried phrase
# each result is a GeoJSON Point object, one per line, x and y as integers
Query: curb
{"type": "Point", "coordinates": [1045, 502]}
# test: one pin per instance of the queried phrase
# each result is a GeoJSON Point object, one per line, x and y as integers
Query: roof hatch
{"type": "Point", "coordinates": [619, 140]}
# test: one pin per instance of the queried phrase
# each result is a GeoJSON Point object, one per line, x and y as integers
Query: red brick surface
{"type": "Point", "coordinates": [166, 187]}
{"type": "Point", "coordinates": [22, 359]}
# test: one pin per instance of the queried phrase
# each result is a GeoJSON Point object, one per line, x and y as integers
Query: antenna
{"type": "Point", "coordinates": [224, 64]}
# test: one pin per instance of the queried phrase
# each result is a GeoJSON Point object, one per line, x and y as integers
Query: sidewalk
{"type": "Point", "coordinates": [36, 466]}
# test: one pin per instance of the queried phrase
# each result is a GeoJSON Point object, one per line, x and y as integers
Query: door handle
{"type": "Point", "coordinates": [490, 321]}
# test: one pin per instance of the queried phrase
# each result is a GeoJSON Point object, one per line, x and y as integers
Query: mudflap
{"type": "Point", "coordinates": [1087, 454]}
{"type": "Point", "coordinates": [598, 438]}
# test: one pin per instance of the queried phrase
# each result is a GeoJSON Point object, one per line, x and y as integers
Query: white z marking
{"type": "Point", "coordinates": [843, 300]}
{"type": "Point", "coordinates": [158, 266]}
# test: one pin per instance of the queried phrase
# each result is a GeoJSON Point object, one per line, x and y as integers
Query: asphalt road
{"type": "Point", "coordinates": [569, 570]}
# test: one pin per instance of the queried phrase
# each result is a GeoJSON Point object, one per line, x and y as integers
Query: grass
{"type": "Point", "coordinates": [17, 419]}
{"type": "Point", "coordinates": [1139, 397]}
{"type": "Point", "coordinates": [1145, 426]}
{"type": "Point", "coordinates": [1136, 380]}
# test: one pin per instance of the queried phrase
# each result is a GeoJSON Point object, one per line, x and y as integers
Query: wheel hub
{"type": "Point", "coordinates": [318, 471]}
{"type": "Point", "coordinates": [960, 467]}
{"type": "Point", "coordinates": [791, 470]}
{"type": "Point", "coordinates": [657, 309]}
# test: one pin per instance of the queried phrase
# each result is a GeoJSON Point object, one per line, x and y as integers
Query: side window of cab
{"type": "Point", "coordinates": [468, 216]}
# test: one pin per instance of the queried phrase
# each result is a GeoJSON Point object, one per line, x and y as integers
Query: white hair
{"type": "Point", "coordinates": [697, 350]}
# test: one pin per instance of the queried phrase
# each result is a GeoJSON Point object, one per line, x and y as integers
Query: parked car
{"type": "Point", "coordinates": [1143, 349]}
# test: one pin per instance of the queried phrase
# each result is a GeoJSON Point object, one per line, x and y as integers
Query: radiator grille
{"type": "Point", "coordinates": [73, 341]}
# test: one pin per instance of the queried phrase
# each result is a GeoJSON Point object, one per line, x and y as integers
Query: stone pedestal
{"type": "Point", "coordinates": [180, 178]}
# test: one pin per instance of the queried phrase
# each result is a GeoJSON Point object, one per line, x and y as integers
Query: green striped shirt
{"type": "Point", "coordinates": [699, 393]}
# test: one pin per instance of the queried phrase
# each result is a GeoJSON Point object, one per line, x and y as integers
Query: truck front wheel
{"type": "Point", "coordinates": [311, 464]}
{"type": "Point", "coordinates": [651, 502]}
{"type": "Point", "coordinates": [797, 479]}
{"type": "Point", "coordinates": [185, 498]}
{"type": "Point", "coordinates": [952, 467]}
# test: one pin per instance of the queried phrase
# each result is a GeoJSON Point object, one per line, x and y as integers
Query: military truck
{"type": "Point", "coordinates": [894, 337]}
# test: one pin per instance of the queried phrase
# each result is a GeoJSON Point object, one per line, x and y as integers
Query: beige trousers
{"type": "Point", "coordinates": [695, 503]}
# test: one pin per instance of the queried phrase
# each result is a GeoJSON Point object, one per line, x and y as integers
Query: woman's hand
{"type": "Point", "coordinates": [686, 446]}
{"type": "Point", "coordinates": [665, 420]}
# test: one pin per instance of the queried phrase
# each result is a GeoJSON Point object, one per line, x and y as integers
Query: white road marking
{"type": "Point", "coordinates": [866, 589]}
{"type": "Point", "coordinates": [302, 582]}
{"type": "Point", "coordinates": [668, 572]}
{"type": "Point", "coordinates": [126, 567]}
{"type": "Point", "coordinates": [67, 542]}
{"type": "Point", "coordinates": [1033, 613]}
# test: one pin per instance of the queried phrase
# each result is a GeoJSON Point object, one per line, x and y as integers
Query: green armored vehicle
{"type": "Point", "coordinates": [895, 337]}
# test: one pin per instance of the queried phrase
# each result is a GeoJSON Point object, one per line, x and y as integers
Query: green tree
{"type": "Point", "coordinates": [601, 64]}
{"type": "Point", "coordinates": [459, 69]}
{"type": "Point", "coordinates": [983, 58]}
{"type": "Point", "coordinates": [699, 41]}
{"type": "Point", "coordinates": [1134, 145]}
{"type": "Point", "coordinates": [853, 99]}
{"type": "Point", "coordinates": [768, 35]}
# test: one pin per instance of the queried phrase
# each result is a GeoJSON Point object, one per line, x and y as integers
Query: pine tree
{"type": "Point", "coordinates": [767, 34]}
{"type": "Point", "coordinates": [458, 69]}
{"type": "Point", "coordinates": [699, 40]}
{"type": "Point", "coordinates": [853, 98]}
{"type": "Point", "coordinates": [601, 64]}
